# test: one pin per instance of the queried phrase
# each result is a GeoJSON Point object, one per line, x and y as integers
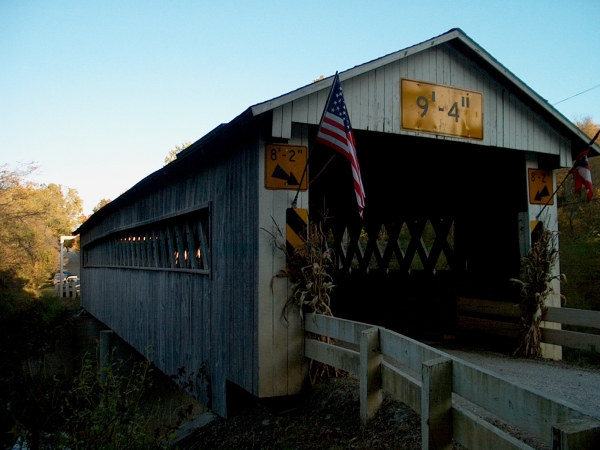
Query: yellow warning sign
{"type": "Point", "coordinates": [440, 109]}
{"type": "Point", "coordinates": [284, 166]}
{"type": "Point", "coordinates": [541, 187]}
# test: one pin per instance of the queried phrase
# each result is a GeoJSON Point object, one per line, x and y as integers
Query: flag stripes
{"type": "Point", "coordinates": [582, 174]}
{"type": "Point", "coordinates": [335, 131]}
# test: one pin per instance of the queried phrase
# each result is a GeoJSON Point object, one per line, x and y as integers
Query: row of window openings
{"type": "Point", "coordinates": [156, 238]}
{"type": "Point", "coordinates": [148, 251]}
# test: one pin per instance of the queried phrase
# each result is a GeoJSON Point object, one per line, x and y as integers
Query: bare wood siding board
{"type": "Point", "coordinates": [280, 201]}
{"type": "Point", "coordinates": [352, 96]}
{"type": "Point", "coordinates": [363, 82]}
{"type": "Point", "coordinates": [313, 113]}
{"type": "Point", "coordinates": [490, 122]}
{"type": "Point", "coordinates": [300, 110]}
{"type": "Point", "coordinates": [393, 82]}
{"type": "Point", "coordinates": [378, 79]}
{"type": "Point", "coordinates": [265, 328]}
{"type": "Point", "coordinates": [286, 125]}
{"type": "Point", "coordinates": [277, 121]}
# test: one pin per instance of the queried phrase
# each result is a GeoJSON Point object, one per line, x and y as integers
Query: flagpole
{"type": "Point", "coordinates": [565, 178]}
{"type": "Point", "coordinates": [310, 148]}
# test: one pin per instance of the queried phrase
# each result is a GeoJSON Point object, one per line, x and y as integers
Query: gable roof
{"type": "Point", "coordinates": [458, 39]}
{"type": "Point", "coordinates": [455, 37]}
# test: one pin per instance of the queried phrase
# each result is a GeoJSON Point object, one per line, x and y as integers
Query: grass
{"type": "Point", "coordinates": [580, 262]}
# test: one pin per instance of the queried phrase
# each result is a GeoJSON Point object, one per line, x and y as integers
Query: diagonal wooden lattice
{"type": "Point", "coordinates": [425, 244]}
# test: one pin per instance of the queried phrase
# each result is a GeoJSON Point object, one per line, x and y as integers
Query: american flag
{"type": "Point", "coordinates": [582, 174]}
{"type": "Point", "coordinates": [335, 131]}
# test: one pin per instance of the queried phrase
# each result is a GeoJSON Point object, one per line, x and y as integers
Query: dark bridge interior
{"type": "Point", "coordinates": [440, 221]}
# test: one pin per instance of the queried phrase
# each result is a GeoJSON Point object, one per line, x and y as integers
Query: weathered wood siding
{"type": "Point", "coordinates": [373, 100]}
{"type": "Point", "coordinates": [281, 359]}
{"type": "Point", "coordinates": [187, 319]}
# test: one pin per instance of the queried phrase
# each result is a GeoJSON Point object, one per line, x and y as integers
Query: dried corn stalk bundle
{"type": "Point", "coordinates": [309, 268]}
{"type": "Point", "coordinates": [536, 284]}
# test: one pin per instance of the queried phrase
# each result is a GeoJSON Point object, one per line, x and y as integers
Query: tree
{"type": "Point", "coordinates": [172, 156]}
{"type": "Point", "coordinates": [578, 220]}
{"type": "Point", "coordinates": [32, 218]}
{"type": "Point", "coordinates": [101, 204]}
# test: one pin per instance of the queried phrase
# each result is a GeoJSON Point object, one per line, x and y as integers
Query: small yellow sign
{"type": "Point", "coordinates": [440, 109]}
{"type": "Point", "coordinates": [284, 166]}
{"type": "Point", "coordinates": [541, 187]}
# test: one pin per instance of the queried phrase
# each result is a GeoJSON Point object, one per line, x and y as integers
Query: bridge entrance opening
{"type": "Point", "coordinates": [440, 222]}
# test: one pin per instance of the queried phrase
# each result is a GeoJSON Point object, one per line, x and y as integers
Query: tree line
{"type": "Point", "coordinates": [33, 216]}
{"type": "Point", "coordinates": [578, 219]}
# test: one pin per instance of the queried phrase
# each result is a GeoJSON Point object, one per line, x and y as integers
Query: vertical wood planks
{"type": "Point", "coordinates": [580, 434]}
{"type": "Point", "coordinates": [184, 319]}
{"type": "Point", "coordinates": [371, 392]}
{"type": "Point", "coordinates": [436, 404]}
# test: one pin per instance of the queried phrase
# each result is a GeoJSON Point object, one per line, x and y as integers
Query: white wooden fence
{"type": "Point", "coordinates": [502, 320]}
{"type": "Point", "coordinates": [391, 361]}
{"type": "Point", "coordinates": [69, 288]}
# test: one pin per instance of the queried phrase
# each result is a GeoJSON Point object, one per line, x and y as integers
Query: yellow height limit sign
{"type": "Point", "coordinates": [439, 109]}
{"type": "Point", "coordinates": [541, 187]}
{"type": "Point", "coordinates": [284, 165]}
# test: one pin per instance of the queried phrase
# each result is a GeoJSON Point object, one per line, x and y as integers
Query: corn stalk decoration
{"type": "Point", "coordinates": [536, 284]}
{"type": "Point", "coordinates": [309, 268]}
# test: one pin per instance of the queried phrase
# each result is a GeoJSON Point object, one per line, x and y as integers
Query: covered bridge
{"type": "Point", "coordinates": [453, 148]}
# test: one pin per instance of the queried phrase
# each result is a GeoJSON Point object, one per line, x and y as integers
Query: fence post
{"type": "Point", "coordinates": [578, 434]}
{"type": "Point", "coordinates": [107, 339]}
{"type": "Point", "coordinates": [371, 393]}
{"type": "Point", "coordinates": [436, 404]}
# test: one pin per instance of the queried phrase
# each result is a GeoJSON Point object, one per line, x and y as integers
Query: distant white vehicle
{"type": "Point", "coordinates": [56, 278]}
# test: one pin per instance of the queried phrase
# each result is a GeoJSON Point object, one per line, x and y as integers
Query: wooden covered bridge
{"type": "Point", "coordinates": [458, 158]}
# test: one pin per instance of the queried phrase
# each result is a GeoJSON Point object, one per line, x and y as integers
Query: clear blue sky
{"type": "Point", "coordinates": [98, 92]}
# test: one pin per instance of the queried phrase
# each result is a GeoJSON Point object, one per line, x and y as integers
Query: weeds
{"type": "Point", "coordinates": [51, 410]}
{"type": "Point", "coordinates": [43, 405]}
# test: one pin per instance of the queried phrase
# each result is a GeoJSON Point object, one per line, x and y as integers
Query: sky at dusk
{"type": "Point", "coordinates": [97, 92]}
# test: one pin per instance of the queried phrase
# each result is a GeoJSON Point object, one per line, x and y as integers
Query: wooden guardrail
{"type": "Point", "coordinates": [501, 318]}
{"type": "Point", "coordinates": [426, 379]}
